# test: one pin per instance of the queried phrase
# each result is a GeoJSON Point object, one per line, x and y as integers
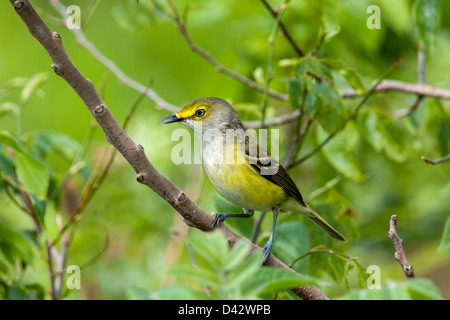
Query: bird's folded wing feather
{"type": "Point", "coordinates": [265, 165]}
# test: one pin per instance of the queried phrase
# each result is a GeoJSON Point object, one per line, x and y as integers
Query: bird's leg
{"type": "Point", "coordinates": [218, 216]}
{"type": "Point", "coordinates": [268, 246]}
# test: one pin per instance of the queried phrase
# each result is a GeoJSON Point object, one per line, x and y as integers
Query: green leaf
{"type": "Point", "coordinates": [7, 107]}
{"type": "Point", "coordinates": [423, 289]}
{"type": "Point", "coordinates": [32, 86]}
{"type": "Point", "coordinates": [445, 242]}
{"type": "Point", "coordinates": [9, 141]}
{"type": "Point", "coordinates": [341, 150]}
{"type": "Point", "coordinates": [234, 273]}
{"type": "Point", "coordinates": [266, 281]}
{"type": "Point", "coordinates": [338, 269]}
{"type": "Point", "coordinates": [173, 292]}
{"type": "Point", "coordinates": [33, 175]}
{"type": "Point", "coordinates": [258, 75]}
{"type": "Point", "coordinates": [293, 241]}
{"type": "Point", "coordinates": [410, 289]}
{"type": "Point", "coordinates": [18, 291]}
{"type": "Point", "coordinates": [327, 107]}
{"type": "Point", "coordinates": [311, 65]}
{"type": "Point", "coordinates": [296, 91]}
{"type": "Point", "coordinates": [322, 100]}
{"type": "Point", "coordinates": [289, 62]}
{"type": "Point", "coordinates": [204, 276]}
{"type": "Point", "coordinates": [14, 246]}
{"type": "Point", "coordinates": [212, 247]}
{"type": "Point", "coordinates": [239, 253]}
{"type": "Point", "coordinates": [444, 135]}
{"type": "Point", "coordinates": [6, 164]}
{"type": "Point", "coordinates": [350, 75]}
{"type": "Point", "coordinates": [384, 134]}
{"type": "Point", "coordinates": [237, 278]}
{"type": "Point", "coordinates": [30, 172]}
{"type": "Point", "coordinates": [337, 210]}
{"type": "Point", "coordinates": [46, 141]}
{"type": "Point", "coordinates": [428, 20]}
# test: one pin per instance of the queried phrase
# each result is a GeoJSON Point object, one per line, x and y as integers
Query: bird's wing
{"type": "Point", "coordinates": [264, 164]}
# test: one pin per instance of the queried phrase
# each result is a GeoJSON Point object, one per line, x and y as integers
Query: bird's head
{"type": "Point", "coordinates": [211, 113]}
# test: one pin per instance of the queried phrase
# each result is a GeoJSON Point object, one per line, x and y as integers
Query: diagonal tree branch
{"type": "Point", "coordinates": [146, 173]}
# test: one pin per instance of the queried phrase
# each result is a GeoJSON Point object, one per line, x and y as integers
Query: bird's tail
{"type": "Point", "coordinates": [314, 217]}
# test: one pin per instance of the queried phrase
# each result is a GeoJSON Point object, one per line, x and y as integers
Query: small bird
{"type": "Point", "coordinates": [241, 170]}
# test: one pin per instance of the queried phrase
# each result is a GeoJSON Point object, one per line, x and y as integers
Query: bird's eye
{"type": "Point", "coordinates": [200, 113]}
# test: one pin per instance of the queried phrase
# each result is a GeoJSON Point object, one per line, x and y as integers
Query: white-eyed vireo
{"type": "Point", "coordinates": [239, 168]}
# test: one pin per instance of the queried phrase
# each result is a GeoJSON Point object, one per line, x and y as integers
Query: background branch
{"type": "Point", "coordinates": [219, 67]}
{"type": "Point", "coordinates": [436, 161]}
{"type": "Point", "coordinates": [275, 13]}
{"type": "Point", "coordinates": [400, 254]}
{"type": "Point", "coordinates": [350, 117]}
{"type": "Point", "coordinates": [121, 75]}
{"type": "Point", "coordinates": [384, 86]}
{"type": "Point", "coordinates": [132, 152]}
{"type": "Point", "coordinates": [406, 87]}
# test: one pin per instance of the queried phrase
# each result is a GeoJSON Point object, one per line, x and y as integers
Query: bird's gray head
{"type": "Point", "coordinates": [212, 113]}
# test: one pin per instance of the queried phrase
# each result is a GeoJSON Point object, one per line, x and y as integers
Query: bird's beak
{"type": "Point", "coordinates": [172, 118]}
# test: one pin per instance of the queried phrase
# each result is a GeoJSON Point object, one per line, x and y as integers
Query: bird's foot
{"type": "Point", "coordinates": [266, 251]}
{"type": "Point", "coordinates": [218, 216]}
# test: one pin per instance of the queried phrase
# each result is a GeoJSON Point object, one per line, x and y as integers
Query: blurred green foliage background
{"type": "Point", "coordinates": [141, 233]}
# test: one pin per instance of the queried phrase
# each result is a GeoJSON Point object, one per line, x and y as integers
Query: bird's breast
{"type": "Point", "coordinates": [237, 182]}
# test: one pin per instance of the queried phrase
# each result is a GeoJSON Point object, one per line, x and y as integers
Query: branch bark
{"type": "Point", "coordinates": [146, 173]}
{"type": "Point", "coordinates": [400, 254]}
{"type": "Point", "coordinates": [406, 87]}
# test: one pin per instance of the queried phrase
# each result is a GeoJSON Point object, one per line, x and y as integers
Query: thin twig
{"type": "Point", "coordinates": [60, 259]}
{"type": "Point", "coordinates": [297, 141]}
{"type": "Point", "coordinates": [11, 197]}
{"type": "Point", "coordinates": [275, 13]}
{"type": "Point", "coordinates": [406, 111]}
{"type": "Point", "coordinates": [124, 78]}
{"type": "Point", "coordinates": [219, 67]}
{"type": "Point", "coordinates": [269, 72]}
{"type": "Point", "coordinates": [276, 121]}
{"type": "Point", "coordinates": [76, 163]}
{"type": "Point", "coordinates": [400, 254]}
{"type": "Point", "coordinates": [436, 161]}
{"type": "Point", "coordinates": [256, 227]}
{"type": "Point", "coordinates": [102, 251]}
{"type": "Point", "coordinates": [420, 80]}
{"type": "Point", "coordinates": [421, 60]}
{"type": "Point", "coordinates": [350, 117]}
{"type": "Point", "coordinates": [321, 249]}
{"type": "Point", "coordinates": [98, 176]}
